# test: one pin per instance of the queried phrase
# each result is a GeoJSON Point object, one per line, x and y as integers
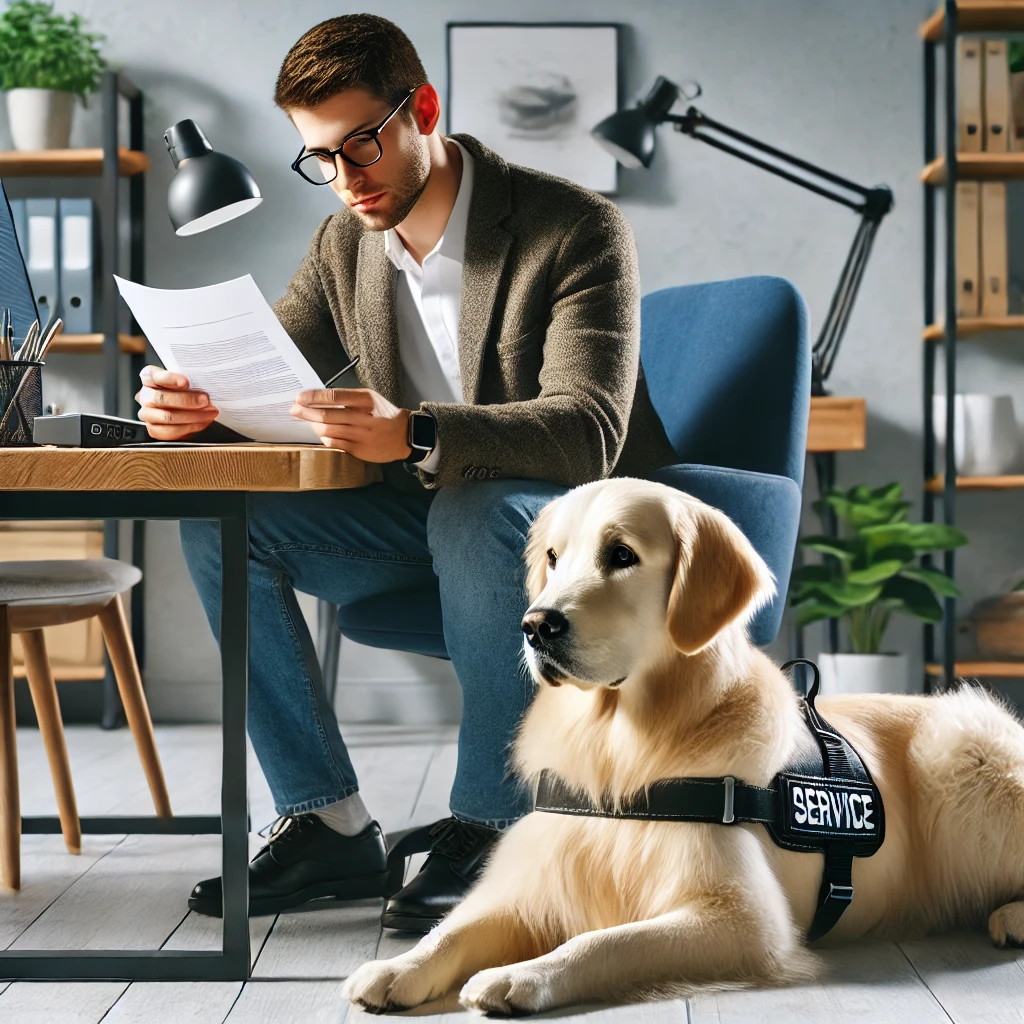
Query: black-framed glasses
{"type": "Point", "coordinates": [360, 149]}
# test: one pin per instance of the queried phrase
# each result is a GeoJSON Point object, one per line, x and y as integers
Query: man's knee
{"type": "Point", "coordinates": [485, 519]}
{"type": "Point", "coordinates": [200, 541]}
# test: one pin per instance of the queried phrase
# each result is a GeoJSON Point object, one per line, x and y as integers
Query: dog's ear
{"type": "Point", "coordinates": [719, 577]}
{"type": "Point", "coordinates": [536, 556]}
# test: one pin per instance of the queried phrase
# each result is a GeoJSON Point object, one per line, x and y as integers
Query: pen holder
{"type": "Point", "coordinates": [21, 400]}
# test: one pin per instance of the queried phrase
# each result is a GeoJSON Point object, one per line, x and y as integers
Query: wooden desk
{"type": "Point", "coordinates": [208, 482]}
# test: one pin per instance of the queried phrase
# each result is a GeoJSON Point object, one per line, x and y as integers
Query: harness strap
{"type": "Point", "coordinates": [721, 801]}
{"type": "Point", "coordinates": [836, 892]}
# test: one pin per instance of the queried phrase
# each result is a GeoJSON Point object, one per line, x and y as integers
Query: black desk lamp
{"type": "Point", "coordinates": [629, 136]}
{"type": "Point", "coordinates": [210, 188]}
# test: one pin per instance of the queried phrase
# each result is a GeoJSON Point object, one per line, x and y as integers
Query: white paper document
{"type": "Point", "coordinates": [227, 341]}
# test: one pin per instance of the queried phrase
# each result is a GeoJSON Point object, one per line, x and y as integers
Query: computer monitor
{"type": "Point", "coordinates": [15, 289]}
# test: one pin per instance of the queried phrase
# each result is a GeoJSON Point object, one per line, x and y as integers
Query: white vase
{"type": "Point", "coordinates": [39, 118]}
{"type": "Point", "coordinates": [986, 432]}
{"type": "Point", "coordinates": [863, 673]}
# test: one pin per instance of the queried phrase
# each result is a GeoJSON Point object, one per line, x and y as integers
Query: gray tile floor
{"type": "Point", "coordinates": [130, 891]}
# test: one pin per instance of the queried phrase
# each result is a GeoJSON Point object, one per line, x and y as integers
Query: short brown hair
{"type": "Point", "coordinates": [354, 50]}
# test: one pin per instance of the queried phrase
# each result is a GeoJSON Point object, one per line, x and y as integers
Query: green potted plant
{"type": "Point", "coordinates": [46, 60]}
{"type": "Point", "coordinates": [869, 572]}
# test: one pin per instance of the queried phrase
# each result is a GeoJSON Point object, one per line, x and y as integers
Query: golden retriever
{"type": "Point", "coordinates": [646, 673]}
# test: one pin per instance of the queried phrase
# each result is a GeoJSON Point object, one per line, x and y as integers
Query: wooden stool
{"type": "Point", "coordinates": [50, 593]}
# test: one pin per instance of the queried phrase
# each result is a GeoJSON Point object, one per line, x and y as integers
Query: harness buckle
{"type": "Point", "coordinates": [840, 892]}
{"type": "Point", "coordinates": [728, 817]}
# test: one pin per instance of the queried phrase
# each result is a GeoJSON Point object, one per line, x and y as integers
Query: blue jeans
{"type": "Point", "coordinates": [464, 543]}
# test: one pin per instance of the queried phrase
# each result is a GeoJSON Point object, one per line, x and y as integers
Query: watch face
{"type": "Point", "coordinates": [424, 431]}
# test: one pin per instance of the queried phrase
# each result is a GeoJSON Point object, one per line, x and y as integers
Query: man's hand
{"type": "Point", "coordinates": [170, 409]}
{"type": "Point", "coordinates": [358, 420]}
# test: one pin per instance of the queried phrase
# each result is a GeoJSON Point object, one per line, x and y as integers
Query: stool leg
{"type": "Point", "coordinates": [136, 710]}
{"type": "Point", "coordinates": [10, 807]}
{"type": "Point", "coordinates": [51, 726]}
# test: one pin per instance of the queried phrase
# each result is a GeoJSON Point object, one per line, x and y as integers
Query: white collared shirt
{"type": "Point", "coordinates": [427, 309]}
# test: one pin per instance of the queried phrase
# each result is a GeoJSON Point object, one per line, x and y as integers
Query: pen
{"type": "Point", "coordinates": [341, 373]}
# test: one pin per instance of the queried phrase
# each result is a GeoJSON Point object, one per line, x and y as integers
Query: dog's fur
{"type": "Point", "coordinates": [654, 678]}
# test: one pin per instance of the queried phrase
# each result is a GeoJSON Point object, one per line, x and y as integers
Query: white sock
{"type": "Point", "coordinates": [348, 816]}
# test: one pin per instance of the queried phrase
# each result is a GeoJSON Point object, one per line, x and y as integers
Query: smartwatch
{"type": "Point", "coordinates": [421, 437]}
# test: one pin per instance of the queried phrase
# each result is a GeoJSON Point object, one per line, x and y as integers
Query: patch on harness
{"type": "Point", "coordinates": [827, 808]}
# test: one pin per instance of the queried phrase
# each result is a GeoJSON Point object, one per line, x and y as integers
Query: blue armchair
{"type": "Point", "coordinates": [728, 368]}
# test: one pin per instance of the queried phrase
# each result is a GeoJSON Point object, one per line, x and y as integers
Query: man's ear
{"type": "Point", "coordinates": [719, 577]}
{"type": "Point", "coordinates": [536, 556]}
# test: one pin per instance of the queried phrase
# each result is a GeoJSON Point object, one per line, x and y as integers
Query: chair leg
{"type": "Point", "coordinates": [10, 807]}
{"type": "Point", "coordinates": [51, 726]}
{"type": "Point", "coordinates": [136, 710]}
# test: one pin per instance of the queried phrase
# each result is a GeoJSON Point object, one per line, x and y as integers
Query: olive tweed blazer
{"type": "Point", "coordinates": [549, 331]}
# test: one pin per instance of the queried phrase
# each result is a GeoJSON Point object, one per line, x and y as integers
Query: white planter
{"type": "Point", "coordinates": [863, 673]}
{"type": "Point", "coordinates": [985, 435]}
{"type": "Point", "coordinates": [39, 118]}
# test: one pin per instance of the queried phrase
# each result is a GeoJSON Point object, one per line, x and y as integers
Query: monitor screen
{"type": "Point", "coordinates": [15, 290]}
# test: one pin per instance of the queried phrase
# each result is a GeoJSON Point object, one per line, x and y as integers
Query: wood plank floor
{"type": "Point", "coordinates": [130, 892]}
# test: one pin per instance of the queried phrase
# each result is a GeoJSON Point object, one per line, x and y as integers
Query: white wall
{"type": "Point", "coordinates": [836, 82]}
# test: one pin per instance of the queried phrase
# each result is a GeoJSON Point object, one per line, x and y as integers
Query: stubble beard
{"type": "Point", "coordinates": [404, 196]}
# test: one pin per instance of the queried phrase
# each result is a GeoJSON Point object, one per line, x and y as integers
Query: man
{"type": "Point", "coordinates": [495, 311]}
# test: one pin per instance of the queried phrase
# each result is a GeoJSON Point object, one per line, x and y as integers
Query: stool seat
{"type": "Point", "coordinates": [65, 582]}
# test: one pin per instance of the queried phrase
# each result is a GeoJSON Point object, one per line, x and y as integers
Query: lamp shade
{"type": "Point", "coordinates": [209, 188]}
{"type": "Point", "coordinates": [629, 134]}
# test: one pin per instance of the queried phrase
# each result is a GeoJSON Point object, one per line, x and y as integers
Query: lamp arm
{"type": "Point", "coordinates": [871, 203]}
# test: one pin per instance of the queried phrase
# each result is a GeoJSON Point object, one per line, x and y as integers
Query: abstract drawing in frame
{"type": "Point", "coordinates": [533, 92]}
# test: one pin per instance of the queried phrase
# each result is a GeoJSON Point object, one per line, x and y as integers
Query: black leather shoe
{"type": "Point", "coordinates": [457, 856]}
{"type": "Point", "coordinates": [306, 860]}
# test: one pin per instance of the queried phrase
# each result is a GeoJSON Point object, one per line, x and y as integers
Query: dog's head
{"type": "Point", "coordinates": [620, 571]}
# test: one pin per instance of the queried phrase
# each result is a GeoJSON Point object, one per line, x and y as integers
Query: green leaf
{"type": "Point", "coordinates": [903, 552]}
{"type": "Point", "coordinates": [876, 572]}
{"type": "Point", "coordinates": [806, 614]}
{"type": "Point", "coordinates": [849, 595]}
{"type": "Point", "coordinates": [811, 574]}
{"type": "Point", "coordinates": [938, 581]}
{"type": "Point", "coordinates": [842, 549]}
{"type": "Point", "coordinates": [888, 492]}
{"type": "Point", "coordinates": [913, 597]}
{"type": "Point", "coordinates": [936, 537]}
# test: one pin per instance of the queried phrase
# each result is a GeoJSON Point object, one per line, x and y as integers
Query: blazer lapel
{"type": "Point", "coordinates": [487, 248]}
{"type": "Point", "coordinates": [379, 367]}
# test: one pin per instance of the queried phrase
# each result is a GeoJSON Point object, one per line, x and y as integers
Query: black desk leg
{"type": "Point", "coordinates": [234, 647]}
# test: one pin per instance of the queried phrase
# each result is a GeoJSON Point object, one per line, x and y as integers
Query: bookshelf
{"type": "Point", "coordinates": [69, 163]}
{"type": "Point", "coordinates": [113, 163]}
{"type": "Point", "coordinates": [943, 329]}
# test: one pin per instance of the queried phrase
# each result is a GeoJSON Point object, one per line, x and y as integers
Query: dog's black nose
{"type": "Point", "coordinates": [544, 626]}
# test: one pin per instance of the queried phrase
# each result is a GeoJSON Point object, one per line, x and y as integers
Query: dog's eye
{"type": "Point", "coordinates": [621, 557]}
{"type": "Point", "coordinates": [552, 557]}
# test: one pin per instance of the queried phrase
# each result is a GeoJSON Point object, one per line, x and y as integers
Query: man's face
{"type": "Point", "coordinates": [382, 194]}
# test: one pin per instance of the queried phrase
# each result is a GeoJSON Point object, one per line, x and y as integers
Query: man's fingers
{"type": "Point", "coordinates": [157, 376]}
{"type": "Point", "coordinates": [198, 418]}
{"type": "Point", "coordinates": [343, 415]}
{"type": "Point", "coordinates": [351, 398]}
{"type": "Point", "coordinates": [162, 399]}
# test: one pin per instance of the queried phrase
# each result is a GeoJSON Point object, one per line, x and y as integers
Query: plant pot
{"type": "Point", "coordinates": [999, 626]}
{"type": "Point", "coordinates": [39, 118]}
{"type": "Point", "coordinates": [863, 673]}
{"type": "Point", "coordinates": [985, 434]}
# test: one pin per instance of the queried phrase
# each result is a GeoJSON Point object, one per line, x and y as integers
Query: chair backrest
{"type": "Point", "coordinates": [728, 368]}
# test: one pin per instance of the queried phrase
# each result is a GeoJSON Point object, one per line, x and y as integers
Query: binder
{"type": "Point", "coordinates": [969, 99]}
{"type": "Point", "coordinates": [968, 248]}
{"type": "Point", "coordinates": [994, 300]}
{"type": "Point", "coordinates": [996, 75]}
{"type": "Point", "coordinates": [41, 257]}
{"type": "Point", "coordinates": [76, 265]}
{"type": "Point", "coordinates": [18, 212]}
{"type": "Point", "coordinates": [1017, 109]}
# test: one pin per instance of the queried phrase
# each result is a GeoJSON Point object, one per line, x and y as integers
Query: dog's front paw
{"type": "Point", "coordinates": [383, 985]}
{"type": "Point", "coordinates": [507, 991]}
{"type": "Point", "coordinates": [1006, 926]}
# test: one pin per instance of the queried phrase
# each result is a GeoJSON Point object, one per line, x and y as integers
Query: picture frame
{"type": "Point", "coordinates": [533, 91]}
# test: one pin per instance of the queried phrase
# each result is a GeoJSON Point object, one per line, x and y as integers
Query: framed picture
{"type": "Point", "coordinates": [533, 92]}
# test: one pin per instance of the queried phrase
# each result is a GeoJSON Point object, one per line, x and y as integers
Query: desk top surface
{"type": "Point", "coordinates": [200, 468]}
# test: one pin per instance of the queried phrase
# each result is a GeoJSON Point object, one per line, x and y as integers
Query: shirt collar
{"type": "Point", "coordinates": [452, 243]}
